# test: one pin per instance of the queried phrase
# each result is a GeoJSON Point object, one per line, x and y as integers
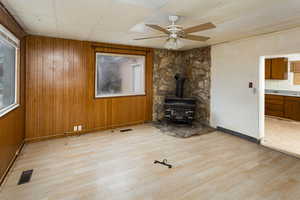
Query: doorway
{"type": "Point", "coordinates": [280, 97]}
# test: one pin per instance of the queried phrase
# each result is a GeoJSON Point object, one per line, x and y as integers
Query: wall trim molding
{"type": "Point", "coordinates": [119, 48]}
{"type": "Point", "coordinates": [79, 133]}
{"type": "Point", "coordinates": [241, 135]}
{"type": "Point", "coordinates": [18, 152]}
{"type": "Point", "coordinates": [95, 45]}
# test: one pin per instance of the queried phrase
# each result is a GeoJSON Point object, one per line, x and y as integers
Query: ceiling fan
{"type": "Point", "coordinates": [174, 33]}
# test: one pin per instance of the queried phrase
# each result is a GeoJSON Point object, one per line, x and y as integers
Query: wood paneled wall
{"type": "Point", "coordinates": [60, 85]}
{"type": "Point", "coordinates": [12, 125]}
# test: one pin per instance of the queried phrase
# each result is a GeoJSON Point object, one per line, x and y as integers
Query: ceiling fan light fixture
{"type": "Point", "coordinates": [176, 32]}
{"type": "Point", "coordinates": [174, 44]}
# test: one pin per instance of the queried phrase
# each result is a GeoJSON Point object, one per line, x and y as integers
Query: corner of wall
{"type": "Point", "coordinates": [195, 64]}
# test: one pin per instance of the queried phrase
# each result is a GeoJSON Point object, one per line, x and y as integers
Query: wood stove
{"type": "Point", "coordinates": [179, 109]}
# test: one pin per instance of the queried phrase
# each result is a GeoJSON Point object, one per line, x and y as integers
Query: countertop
{"type": "Point", "coordinates": [283, 93]}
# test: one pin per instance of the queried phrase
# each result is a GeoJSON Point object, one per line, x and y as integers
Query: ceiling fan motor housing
{"type": "Point", "coordinates": [173, 18]}
{"type": "Point", "coordinates": [174, 29]}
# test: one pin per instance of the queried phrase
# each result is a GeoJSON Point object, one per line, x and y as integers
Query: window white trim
{"type": "Point", "coordinates": [7, 37]}
{"type": "Point", "coordinates": [120, 94]}
{"type": "Point", "coordinates": [6, 110]}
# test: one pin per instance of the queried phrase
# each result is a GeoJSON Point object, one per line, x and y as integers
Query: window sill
{"type": "Point", "coordinates": [120, 95]}
{"type": "Point", "coordinates": [8, 109]}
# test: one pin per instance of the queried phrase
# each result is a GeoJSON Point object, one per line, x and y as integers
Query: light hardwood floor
{"type": "Point", "coordinates": [283, 135]}
{"type": "Point", "coordinates": [120, 166]}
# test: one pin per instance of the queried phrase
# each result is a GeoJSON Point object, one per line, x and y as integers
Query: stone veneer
{"type": "Point", "coordinates": [195, 65]}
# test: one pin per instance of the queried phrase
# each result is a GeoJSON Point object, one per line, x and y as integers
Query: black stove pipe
{"type": "Point", "coordinates": [179, 85]}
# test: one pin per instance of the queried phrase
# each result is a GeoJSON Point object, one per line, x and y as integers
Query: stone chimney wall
{"type": "Point", "coordinates": [195, 65]}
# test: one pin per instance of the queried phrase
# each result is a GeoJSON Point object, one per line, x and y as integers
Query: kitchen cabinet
{"type": "Point", "coordinates": [276, 68]}
{"type": "Point", "coordinates": [268, 63]}
{"type": "Point", "coordinates": [292, 108]}
{"type": "Point", "coordinates": [282, 106]}
{"type": "Point", "coordinates": [274, 105]}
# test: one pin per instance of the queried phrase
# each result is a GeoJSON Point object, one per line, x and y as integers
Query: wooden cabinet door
{"type": "Point", "coordinates": [274, 105]}
{"type": "Point", "coordinates": [268, 68]}
{"type": "Point", "coordinates": [279, 68]}
{"type": "Point", "coordinates": [292, 108]}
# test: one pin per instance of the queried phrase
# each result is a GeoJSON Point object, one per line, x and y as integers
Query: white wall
{"type": "Point", "coordinates": [233, 105]}
{"type": "Point", "coordinates": [285, 84]}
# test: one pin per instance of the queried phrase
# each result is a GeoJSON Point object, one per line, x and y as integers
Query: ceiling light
{"type": "Point", "coordinates": [174, 43]}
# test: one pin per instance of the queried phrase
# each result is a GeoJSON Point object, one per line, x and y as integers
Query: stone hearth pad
{"type": "Point", "coordinates": [182, 130]}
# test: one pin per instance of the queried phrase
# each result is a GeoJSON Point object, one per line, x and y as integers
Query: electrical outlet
{"type": "Point", "coordinates": [75, 128]}
{"type": "Point", "coordinates": [80, 128]}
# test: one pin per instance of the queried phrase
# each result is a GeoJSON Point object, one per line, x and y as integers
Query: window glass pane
{"type": "Point", "coordinates": [7, 74]}
{"type": "Point", "coordinates": [119, 75]}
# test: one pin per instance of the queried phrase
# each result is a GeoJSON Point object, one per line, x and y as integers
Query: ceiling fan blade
{"type": "Point", "coordinates": [153, 37]}
{"type": "Point", "coordinates": [196, 38]}
{"type": "Point", "coordinates": [201, 27]}
{"type": "Point", "coordinates": [158, 28]}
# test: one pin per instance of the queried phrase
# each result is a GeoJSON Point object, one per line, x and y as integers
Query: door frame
{"type": "Point", "coordinates": [261, 98]}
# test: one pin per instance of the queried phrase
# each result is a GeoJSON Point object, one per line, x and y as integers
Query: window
{"type": "Point", "coordinates": [9, 47]}
{"type": "Point", "coordinates": [119, 75]}
{"type": "Point", "coordinates": [296, 78]}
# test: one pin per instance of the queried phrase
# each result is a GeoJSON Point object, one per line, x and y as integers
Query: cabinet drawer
{"type": "Point", "coordinates": [275, 101]}
{"type": "Point", "coordinates": [292, 98]}
{"type": "Point", "coordinates": [274, 107]}
{"type": "Point", "coordinates": [274, 97]}
{"type": "Point", "coordinates": [275, 113]}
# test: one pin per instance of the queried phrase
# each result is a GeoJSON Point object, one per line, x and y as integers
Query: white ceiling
{"type": "Point", "coordinates": [120, 21]}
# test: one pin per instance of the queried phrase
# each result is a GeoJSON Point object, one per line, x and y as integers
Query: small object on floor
{"type": "Point", "coordinates": [25, 177]}
{"type": "Point", "coordinates": [164, 162]}
{"type": "Point", "coordinates": [125, 130]}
